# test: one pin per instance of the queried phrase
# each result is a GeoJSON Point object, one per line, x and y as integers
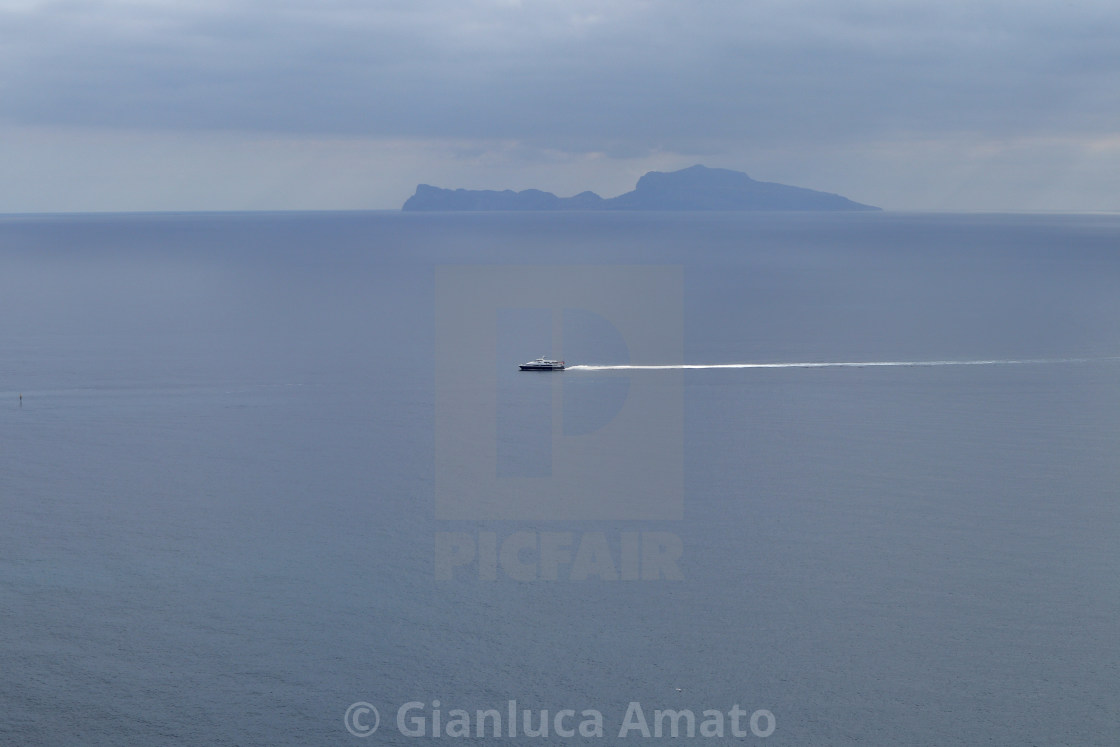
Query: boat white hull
{"type": "Point", "coordinates": [535, 367]}
{"type": "Point", "coordinates": [543, 364]}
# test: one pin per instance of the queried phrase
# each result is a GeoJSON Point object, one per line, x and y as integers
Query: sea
{"type": "Point", "coordinates": [276, 479]}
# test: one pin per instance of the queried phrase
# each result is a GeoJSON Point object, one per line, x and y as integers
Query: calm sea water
{"type": "Point", "coordinates": [220, 492]}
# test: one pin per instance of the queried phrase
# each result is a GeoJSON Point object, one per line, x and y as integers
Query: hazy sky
{"type": "Point", "coordinates": [272, 104]}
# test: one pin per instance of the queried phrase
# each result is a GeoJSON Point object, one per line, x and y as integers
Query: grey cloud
{"type": "Point", "coordinates": [613, 76]}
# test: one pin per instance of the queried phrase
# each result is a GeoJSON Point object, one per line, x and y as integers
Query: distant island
{"type": "Point", "coordinates": [694, 188]}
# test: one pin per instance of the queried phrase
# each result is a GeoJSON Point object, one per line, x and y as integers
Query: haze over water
{"type": "Point", "coordinates": [899, 463]}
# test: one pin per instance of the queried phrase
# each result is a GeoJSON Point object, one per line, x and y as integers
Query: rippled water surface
{"type": "Point", "coordinates": [226, 484]}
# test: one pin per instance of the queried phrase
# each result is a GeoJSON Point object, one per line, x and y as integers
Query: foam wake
{"type": "Point", "coordinates": [841, 364]}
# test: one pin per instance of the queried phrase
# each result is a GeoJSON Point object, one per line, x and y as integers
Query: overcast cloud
{"type": "Point", "coordinates": [343, 104]}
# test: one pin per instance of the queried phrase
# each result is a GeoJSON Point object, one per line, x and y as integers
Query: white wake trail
{"type": "Point", "coordinates": [839, 364]}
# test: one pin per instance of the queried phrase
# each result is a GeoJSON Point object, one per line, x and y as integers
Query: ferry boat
{"type": "Point", "coordinates": [543, 364]}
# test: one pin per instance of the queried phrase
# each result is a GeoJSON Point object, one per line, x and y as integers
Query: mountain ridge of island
{"type": "Point", "coordinates": [694, 188]}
